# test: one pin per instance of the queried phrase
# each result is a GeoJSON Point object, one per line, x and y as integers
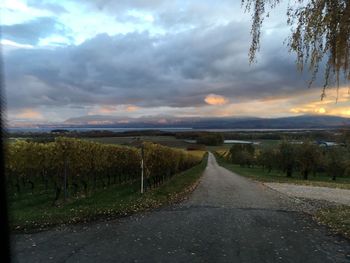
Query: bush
{"type": "Point", "coordinates": [211, 139]}
{"type": "Point", "coordinates": [242, 154]}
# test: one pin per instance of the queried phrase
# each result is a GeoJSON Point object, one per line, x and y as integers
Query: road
{"type": "Point", "coordinates": [227, 218]}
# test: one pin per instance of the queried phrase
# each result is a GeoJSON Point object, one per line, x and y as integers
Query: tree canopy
{"type": "Point", "coordinates": [320, 34]}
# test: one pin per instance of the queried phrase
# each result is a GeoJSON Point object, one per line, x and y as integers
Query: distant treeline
{"type": "Point", "coordinates": [89, 134]}
{"type": "Point", "coordinates": [331, 135]}
{"type": "Point", "coordinates": [269, 135]}
{"type": "Point", "coordinates": [290, 158]}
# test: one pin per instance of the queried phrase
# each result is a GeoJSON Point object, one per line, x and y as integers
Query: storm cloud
{"type": "Point", "coordinates": [201, 54]}
{"type": "Point", "coordinates": [172, 70]}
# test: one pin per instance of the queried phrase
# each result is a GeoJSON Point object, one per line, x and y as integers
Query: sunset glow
{"type": "Point", "coordinates": [213, 99]}
{"type": "Point", "coordinates": [29, 114]}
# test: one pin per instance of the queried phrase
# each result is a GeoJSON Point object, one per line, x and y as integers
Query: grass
{"type": "Point", "coordinates": [35, 212]}
{"type": "Point", "coordinates": [337, 218]}
{"type": "Point", "coordinates": [259, 174]}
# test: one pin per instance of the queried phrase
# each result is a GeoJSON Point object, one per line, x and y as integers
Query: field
{"type": "Point", "coordinates": [170, 141]}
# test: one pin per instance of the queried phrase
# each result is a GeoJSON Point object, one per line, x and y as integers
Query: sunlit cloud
{"type": "Point", "coordinates": [103, 110]}
{"type": "Point", "coordinates": [12, 44]}
{"type": "Point", "coordinates": [213, 99]}
{"type": "Point", "coordinates": [131, 108]}
{"type": "Point", "coordinates": [336, 103]}
{"type": "Point", "coordinates": [111, 110]}
{"type": "Point", "coordinates": [29, 114]}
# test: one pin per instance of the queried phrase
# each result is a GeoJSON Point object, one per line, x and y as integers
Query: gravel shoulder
{"type": "Point", "coordinates": [339, 196]}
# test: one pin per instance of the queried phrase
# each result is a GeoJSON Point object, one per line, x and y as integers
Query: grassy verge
{"type": "Point", "coordinates": [262, 175]}
{"type": "Point", "coordinates": [338, 218]}
{"type": "Point", "coordinates": [35, 212]}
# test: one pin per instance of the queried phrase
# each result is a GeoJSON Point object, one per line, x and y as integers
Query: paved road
{"type": "Point", "coordinates": [227, 219]}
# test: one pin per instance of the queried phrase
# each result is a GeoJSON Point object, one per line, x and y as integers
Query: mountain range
{"type": "Point", "coordinates": [295, 122]}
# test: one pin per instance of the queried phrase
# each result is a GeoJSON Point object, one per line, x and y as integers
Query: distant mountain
{"type": "Point", "coordinates": [297, 122]}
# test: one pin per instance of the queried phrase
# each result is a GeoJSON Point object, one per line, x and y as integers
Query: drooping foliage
{"type": "Point", "coordinates": [320, 34]}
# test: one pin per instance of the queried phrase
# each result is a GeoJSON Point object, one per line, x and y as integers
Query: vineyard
{"type": "Point", "coordinates": [71, 167]}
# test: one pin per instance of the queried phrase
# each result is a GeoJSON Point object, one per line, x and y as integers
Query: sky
{"type": "Point", "coordinates": [185, 58]}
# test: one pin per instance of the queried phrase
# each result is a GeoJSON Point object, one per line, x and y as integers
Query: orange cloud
{"type": "Point", "coordinates": [107, 110]}
{"type": "Point", "coordinates": [309, 109]}
{"type": "Point", "coordinates": [131, 108]}
{"type": "Point", "coordinates": [110, 110]}
{"type": "Point", "coordinates": [103, 110]}
{"type": "Point", "coordinates": [29, 114]}
{"type": "Point", "coordinates": [336, 103]}
{"type": "Point", "coordinates": [213, 99]}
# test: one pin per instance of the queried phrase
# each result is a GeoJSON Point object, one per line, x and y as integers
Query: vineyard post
{"type": "Point", "coordinates": [65, 178]}
{"type": "Point", "coordinates": [142, 155]}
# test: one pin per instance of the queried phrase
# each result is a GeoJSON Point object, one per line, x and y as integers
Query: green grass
{"type": "Point", "coordinates": [35, 211]}
{"type": "Point", "coordinates": [338, 218]}
{"type": "Point", "coordinates": [259, 174]}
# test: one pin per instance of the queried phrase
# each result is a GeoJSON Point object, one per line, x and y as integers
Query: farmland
{"type": "Point", "coordinates": [93, 175]}
{"type": "Point", "coordinates": [71, 180]}
{"type": "Point", "coordinates": [170, 141]}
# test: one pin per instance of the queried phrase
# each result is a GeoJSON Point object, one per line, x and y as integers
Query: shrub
{"type": "Point", "coordinates": [211, 139]}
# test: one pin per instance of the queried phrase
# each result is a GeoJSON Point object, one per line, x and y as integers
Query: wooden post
{"type": "Point", "coordinates": [65, 179]}
{"type": "Point", "coordinates": [142, 155]}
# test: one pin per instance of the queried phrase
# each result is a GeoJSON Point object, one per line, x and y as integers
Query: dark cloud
{"type": "Point", "coordinates": [176, 70]}
{"type": "Point", "coordinates": [31, 32]}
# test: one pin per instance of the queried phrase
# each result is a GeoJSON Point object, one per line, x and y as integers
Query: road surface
{"type": "Point", "coordinates": [228, 218]}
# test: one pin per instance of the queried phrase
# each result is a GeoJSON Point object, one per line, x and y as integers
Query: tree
{"type": "Point", "coordinates": [242, 154]}
{"type": "Point", "coordinates": [212, 139]}
{"type": "Point", "coordinates": [336, 162]}
{"type": "Point", "coordinates": [267, 158]}
{"type": "Point", "coordinates": [286, 157]}
{"type": "Point", "coordinates": [307, 156]}
{"type": "Point", "coordinates": [320, 31]}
